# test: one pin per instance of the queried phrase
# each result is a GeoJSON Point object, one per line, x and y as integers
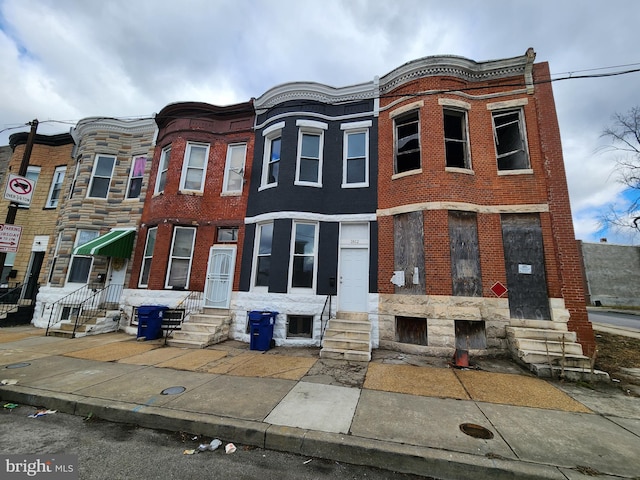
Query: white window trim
{"type": "Point", "coordinates": [59, 170]}
{"type": "Point", "coordinates": [270, 134]}
{"type": "Point", "coordinates": [292, 256]}
{"type": "Point", "coordinates": [314, 128]}
{"type": "Point", "coordinates": [406, 111]}
{"type": "Point", "coordinates": [131, 177]}
{"type": "Point", "coordinates": [144, 256]}
{"type": "Point", "coordinates": [256, 251]}
{"type": "Point", "coordinates": [185, 167]}
{"type": "Point", "coordinates": [227, 169]}
{"type": "Point", "coordinates": [171, 257]}
{"type": "Point", "coordinates": [54, 260]}
{"type": "Point", "coordinates": [164, 155]}
{"type": "Point", "coordinates": [31, 169]}
{"type": "Point", "coordinates": [93, 176]}
{"type": "Point", "coordinates": [345, 144]}
{"type": "Point", "coordinates": [75, 244]}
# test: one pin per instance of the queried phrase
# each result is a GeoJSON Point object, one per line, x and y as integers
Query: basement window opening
{"type": "Point", "coordinates": [299, 326]}
{"type": "Point", "coordinates": [411, 330]}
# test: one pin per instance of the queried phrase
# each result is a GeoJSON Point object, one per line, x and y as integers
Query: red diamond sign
{"type": "Point", "coordinates": [498, 289]}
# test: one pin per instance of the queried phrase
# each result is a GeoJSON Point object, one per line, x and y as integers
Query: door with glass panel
{"type": "Point", "coordinates": [219, 281]}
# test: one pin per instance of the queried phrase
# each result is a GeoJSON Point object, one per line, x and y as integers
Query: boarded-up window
{"type": "Point", "coordinates": [411, 330]}
{"type": "Point", "coordinates": [408, 241]}
{"type": "Point", "coordinates": [470, 335]}
{"type": "Point", "coordinates": [465, 254]}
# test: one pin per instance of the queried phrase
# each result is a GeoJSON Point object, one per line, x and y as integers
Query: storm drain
{"type": "Point", "coordinates": [476, 431]}
{"type": "Point", "coordinates": [173, 390]}
{"type": "Point", "coordinates": [18, 365]}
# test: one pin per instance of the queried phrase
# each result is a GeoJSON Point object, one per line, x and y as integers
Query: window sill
{"type": "Point", "coordinates": [466, 171]}
{"type": "Point", "coordinates": [193, 193]}
{"type": "Point", "coordinates": [231, 194]}
{"type": "Point", "coordinates": [522, 171]}
{"type": "Point", "coordinates": [266, 187]}
{"type": "Point", "coordinates": [158, 194]}
{"type": "Point", "coordinates": [307, 184]}
{"type": "Point", "coordinates": [355, 185]}
{"type": "Point", "coordinates": [406, 174]}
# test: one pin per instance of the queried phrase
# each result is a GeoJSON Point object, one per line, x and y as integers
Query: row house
{"type": "Point", "coordinates": [24, 264]}
{"type": "Point", "coordinates": [191, 233]}
{"type": "Point", "coordinates": [311, 232]}
{"type": "Point", "coordinates": [97, 222]}
{"type": "Point", "coordinates": [475, 227]}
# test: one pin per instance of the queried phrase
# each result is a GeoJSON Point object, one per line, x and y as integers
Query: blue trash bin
{"type": "Point", "coordinates": [261, 329]}
{"type": "Point", "coordinates": [150, 321]}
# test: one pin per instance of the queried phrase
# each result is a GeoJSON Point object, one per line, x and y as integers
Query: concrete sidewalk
{"type": "Point", "coordinates": [399, 412]}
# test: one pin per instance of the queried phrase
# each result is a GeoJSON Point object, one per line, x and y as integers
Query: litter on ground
{"type": "Point", "coordinates": [40, 413]}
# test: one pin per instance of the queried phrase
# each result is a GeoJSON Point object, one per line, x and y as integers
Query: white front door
{"type": "Point", "coordinates": [353, 286]}
{"type": "Point", "coordinates": [217, 289]}
{"type": "Point", "coordinates": [115, 280]}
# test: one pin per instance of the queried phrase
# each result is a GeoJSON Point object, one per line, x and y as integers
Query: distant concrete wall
{"type": "Point", "coordinates": [612, 274]}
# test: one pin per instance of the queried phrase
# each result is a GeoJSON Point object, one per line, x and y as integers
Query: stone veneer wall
{"type": "Point", "coordinates": [441, 311]}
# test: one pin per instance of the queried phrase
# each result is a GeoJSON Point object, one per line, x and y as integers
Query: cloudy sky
{"type": "Point", "coordinates": [63, 60]}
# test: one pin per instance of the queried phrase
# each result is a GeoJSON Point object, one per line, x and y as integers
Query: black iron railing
{"type": "Point", "coordinates": [325, 310]}
{"type": "Point", "coordinates": [83, 305]}
{"type": "Point", "coordinates": [10, 300]}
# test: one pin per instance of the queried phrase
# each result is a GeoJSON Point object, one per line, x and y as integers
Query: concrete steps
{"type": "Point", "coordinates": [202, 329]}
{"type": "Point", "coordinates": [348, 337]}
{"type": "Point", "coordinates": [100, 321]}
{"type": "Point", "coordinates": [548, 349]}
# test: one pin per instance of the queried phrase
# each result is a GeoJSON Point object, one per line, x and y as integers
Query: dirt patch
{"type": "Point", "coordinates": [337, 372]}
{"type": "Point", "coordinates": [617, 353]}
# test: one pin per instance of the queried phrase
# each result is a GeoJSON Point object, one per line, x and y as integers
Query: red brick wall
{"type": "Point", "coordinates": [207, 210]}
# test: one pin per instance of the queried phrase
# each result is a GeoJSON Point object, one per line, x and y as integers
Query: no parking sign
{"type": "Point", "coordinates": [19, 189]}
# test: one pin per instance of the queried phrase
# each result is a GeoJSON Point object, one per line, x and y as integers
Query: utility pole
{"type": "Point", "coordinates": [22, 171]}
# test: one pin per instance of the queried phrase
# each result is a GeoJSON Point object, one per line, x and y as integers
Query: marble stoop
{"type": "Point", "coordinates": [202, 330]}
{"type": "Point", "coordinates": [101, 321]}
{"type": "Point", "coordinates": [548, 349]}
{"type": "Point", "coordinates": [348, 337]}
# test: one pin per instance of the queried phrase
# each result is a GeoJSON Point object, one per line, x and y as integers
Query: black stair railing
{"type": "Point", "coordinates": [82, 305]}
{"type": "Point", "coordinates": [10, 300]}
{"type": "Point", "coordinates": [325, 310]}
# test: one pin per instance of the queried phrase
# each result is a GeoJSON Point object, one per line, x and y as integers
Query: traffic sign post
{"type": "Point", "coordinates": [19, 189]}
{"type": "Point", "coordinates": [9, 237]}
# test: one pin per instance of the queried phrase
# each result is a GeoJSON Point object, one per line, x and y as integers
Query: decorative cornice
{"type": "Point", "coordinates": [460, 67]}
{"type": "Point", "coordinates": [316, 92]}
{"type": "Point", "coordinates": [101, 124]}
{"type": "Point", "coordinates": [202, 110]}
{"type": "Point", "coordinates": [49, 140]}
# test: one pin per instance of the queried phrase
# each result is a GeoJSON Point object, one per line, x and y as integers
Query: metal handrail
{"type": "Point", "coordinates": [191, 303]}
{"type": "Point", "coordinates": [323, 325]}
{"type": "Point", "coordinates": [10, 300]}
{"type": "Point", "coordinates": [86, 298]}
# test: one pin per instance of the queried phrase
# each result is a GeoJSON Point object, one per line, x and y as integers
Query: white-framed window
{"type": "Point", "coordinates": [33, 173]}
{"type": "Point", "coordinates": [234, 168]}
{"type": "Point", "coordinates": [355, 164]}
{"type": "Point", "coordinates": [303, 255]}
{"type": "Point", "coordinates": [179, 267]}
{"type": "Point", "coordinates": [55, 257]}
{"type": "Point", "coordinates": [407, 142]}
{"type": "Point", "coordinates": [271, 156]}
{"type": "Point", "coordinates": [456, 138]}
{"type": "Point", "coordinates": [310, 148]}
{"type": "Point", "coordinates": [194, 167]}
{"type": "Point", "coordinates": [146, 257]}
{"type": "Point", "coordinates": [163, 168]}
{"type": "Point", "coordinates": [262, 263]}
{"type": "Point", "coordinates": [81, 264]}
{"type": "Point", "coordinates": [136, 175]}
{"type": "Point", "coordinates": [510, 139]}
{"type": "Point", "coordinates": [101, 176]}
{"type": "Point", "coordinates": [56, 187]}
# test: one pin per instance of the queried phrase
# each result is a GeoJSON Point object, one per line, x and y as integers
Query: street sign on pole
{"type": "Point", "coordinates": [9, 237]}
{"type": "Point", "coordinates": [19, 189]}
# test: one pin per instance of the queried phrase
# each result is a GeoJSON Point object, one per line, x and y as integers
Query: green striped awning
{"type": "Point", "coordinates": [116, 243]}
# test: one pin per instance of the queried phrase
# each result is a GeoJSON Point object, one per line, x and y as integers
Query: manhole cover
{"type": "Point", "coordinates": [476, 431]}
{"type": "Point", "coordinates": [18, 365]}
{"type": "Point", "coordinates": [173, 390]}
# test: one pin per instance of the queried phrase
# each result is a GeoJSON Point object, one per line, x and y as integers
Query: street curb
{"type": "Point", "coordinates": [398, 457]}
